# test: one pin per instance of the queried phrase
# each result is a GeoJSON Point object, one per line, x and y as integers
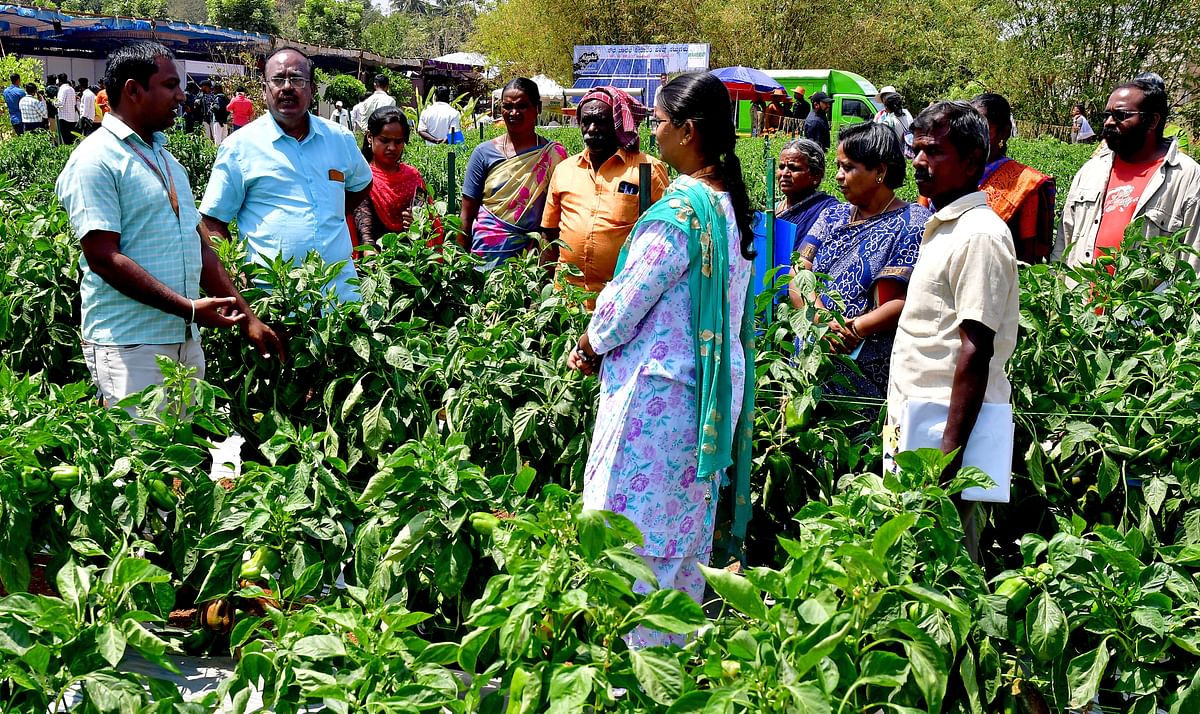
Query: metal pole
{"type": "Point", "coordinates": [451, 189]}
{"type": "Point", "coordinates": [643, 188]}
{"type": "Point", "coordinates": [770, 220]}
{"type": "Point", "coordinates": [480, 132]}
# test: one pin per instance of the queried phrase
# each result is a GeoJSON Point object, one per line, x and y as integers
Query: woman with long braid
{"type": "Point", "coordinates": [672, 339]}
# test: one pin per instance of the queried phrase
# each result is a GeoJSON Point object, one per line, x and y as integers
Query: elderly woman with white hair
{"type": "Point", "coordinates": [800, 173]}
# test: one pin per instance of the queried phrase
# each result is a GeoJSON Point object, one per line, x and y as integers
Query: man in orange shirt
{"type": "Point", "coordinates": [592, 202]}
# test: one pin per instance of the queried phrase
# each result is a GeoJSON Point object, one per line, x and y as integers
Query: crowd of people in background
{"type": "Point", "coordinates": [923, 297]}
{"type": "Point", "coordinates": [68, 110]}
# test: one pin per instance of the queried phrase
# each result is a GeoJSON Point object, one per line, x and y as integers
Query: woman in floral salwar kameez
{"type": "Point", "coordinates": [672, 338]}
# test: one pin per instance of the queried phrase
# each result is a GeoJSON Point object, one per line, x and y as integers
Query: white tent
{"type": "Point", "coordinates": [552, 92]}
{"type": "Point", "coordinates": [474, 59]}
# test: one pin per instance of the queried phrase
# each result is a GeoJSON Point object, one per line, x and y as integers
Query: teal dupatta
{"type": "Point", "coordinates": [695, 210]}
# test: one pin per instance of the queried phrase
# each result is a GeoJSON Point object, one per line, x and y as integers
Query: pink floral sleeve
{"type": "Point", "coordinates": [658, 259]}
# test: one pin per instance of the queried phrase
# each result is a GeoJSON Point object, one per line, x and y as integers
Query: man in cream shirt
{"type": "Point", "coordinates": [959, 324]}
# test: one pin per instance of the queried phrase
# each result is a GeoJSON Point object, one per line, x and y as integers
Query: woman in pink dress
{"type": "Point", "coordinates": [672, 339]}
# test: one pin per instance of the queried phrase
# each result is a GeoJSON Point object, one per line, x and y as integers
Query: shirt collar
{"type": "Point", "coordinates": [123, 132]}
{"type": "Point", "coordinates": [623, 155]}
{"type": "Point", "coordinates": [314, 127]}
{"type": "Point", "coordinates": [958, 207]}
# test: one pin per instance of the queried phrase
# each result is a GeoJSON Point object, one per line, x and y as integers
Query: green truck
{"type": "Point", "coordinates": [853, 96]}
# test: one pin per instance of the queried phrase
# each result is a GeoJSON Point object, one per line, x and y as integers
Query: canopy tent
{"type": "Point", "coordinates": [470, 59]}
{"type": "Point", "coordinates": [746, 82]}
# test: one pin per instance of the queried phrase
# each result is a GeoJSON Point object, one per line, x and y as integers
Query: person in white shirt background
{"type": "Point", "coordinates": [1081, 130]}
{"type": "Point", "coordinates": [87, 107]}
{"type": "Point", "coordinates": [68, 111]}
{"type": "Point", "coordinates": [339, 115]}
{"type": "Point", "coordinates": [380, 98]}
{"type": "Point", "coordinates": [439, 119]}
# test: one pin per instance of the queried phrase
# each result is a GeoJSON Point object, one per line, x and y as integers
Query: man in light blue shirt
{"type": "Point", "coordinates": [289, 178]}
{"type": "Point", "coordinates": [144, 262]}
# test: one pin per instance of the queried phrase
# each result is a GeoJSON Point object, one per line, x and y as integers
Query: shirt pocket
{"type": "Point", "coordinates": [623, 209]}
{"type": "Point", "coordinates": [1166, 222]}
{"type": "Point", "coordinates": [924, 306]}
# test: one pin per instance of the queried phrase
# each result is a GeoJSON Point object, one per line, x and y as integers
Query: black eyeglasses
{"type": "Point", "coordinates": [654, 122]}
{"type": "Point", "coordinates": [1118, 115]}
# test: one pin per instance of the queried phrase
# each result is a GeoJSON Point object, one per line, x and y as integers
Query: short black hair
{"type": "Point", "coordinates": [965, 128]}
{"type": "Point", "coordinates": [84, 81]}
{"type": "Point", "coordinates": [442, 94]}
{"type": "Point", "coordinates": [1154, 97]}
{"type": "Point", "coordinates": [307, 59]}
{"type": "Point", "coordinates": [381, 80]}
{"type": "Point", "coordinates": [875, 146]}
{"type": "Point", "coordinates": [30, 88]}
{"type": "Point", "coordinates": [137, 61]}
{"type": "Point", "coordinates": [206, 83]}
{"type": "Point", "coordinates": [16, 78]}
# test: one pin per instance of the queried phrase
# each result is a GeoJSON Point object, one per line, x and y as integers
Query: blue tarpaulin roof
{"type": "Point", "coordinates": [20, 22]}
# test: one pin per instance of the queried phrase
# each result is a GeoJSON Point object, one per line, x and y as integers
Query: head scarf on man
{"type": "Point", "coordinates": [626, 110]}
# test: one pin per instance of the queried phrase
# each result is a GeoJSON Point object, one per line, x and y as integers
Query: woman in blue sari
{"type": "Point", "coordinates": [867, 248]}
{"type": "Point", "coordinates": [800, 173]}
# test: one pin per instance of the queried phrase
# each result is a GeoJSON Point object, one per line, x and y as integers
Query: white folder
{"type": "Point", "coordinates": [990, 447]}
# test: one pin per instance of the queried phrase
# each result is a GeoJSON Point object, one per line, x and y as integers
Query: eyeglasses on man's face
{"type": "Point", "coordinates": [281, 82]}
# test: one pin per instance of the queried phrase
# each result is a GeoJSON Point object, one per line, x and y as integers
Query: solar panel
{"type": "Point", "coordinates": [658, 66]}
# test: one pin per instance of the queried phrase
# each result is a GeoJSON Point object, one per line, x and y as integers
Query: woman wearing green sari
{"type": "Point", "coordinates": [672, 339]}
{"type": "Point", "coordinates": [504, 192]}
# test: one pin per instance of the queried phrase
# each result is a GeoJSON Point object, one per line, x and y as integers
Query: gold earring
{"type": "Point", "coordinates": [878, 179]}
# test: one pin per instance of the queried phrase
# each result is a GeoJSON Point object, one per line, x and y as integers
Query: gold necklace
{"type": "Point", "coordinates": [854, 213]}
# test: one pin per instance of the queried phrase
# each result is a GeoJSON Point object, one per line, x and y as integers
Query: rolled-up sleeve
{"type": "Point", "coordinates": [658, 259]}
{"type": "Point", "coordinates": [359, 176]}
{"type": "Point", "coordinates": [226, 188]}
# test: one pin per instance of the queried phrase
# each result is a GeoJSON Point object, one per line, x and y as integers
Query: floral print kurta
{"type": "Point", "coordinates": [643, 460]}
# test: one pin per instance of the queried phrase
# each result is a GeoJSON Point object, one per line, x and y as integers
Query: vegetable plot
{"type": "Point", "coordinates": [405, 528]}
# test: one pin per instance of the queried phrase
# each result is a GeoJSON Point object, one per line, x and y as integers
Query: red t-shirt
{"type": "Point", "coordinates": [1125, 186]}
{"type": "Point", "coordinates": [241, 109]}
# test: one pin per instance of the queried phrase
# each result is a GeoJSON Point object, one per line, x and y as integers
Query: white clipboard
{"type": "Point", "coordinates": [989, 448]}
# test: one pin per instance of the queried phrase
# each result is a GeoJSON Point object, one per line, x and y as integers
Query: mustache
{"type": "Point", "coordinates": [921, 175]}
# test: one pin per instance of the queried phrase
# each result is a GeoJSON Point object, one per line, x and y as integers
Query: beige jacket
{"type": "Point", "coordinates": [1170, 203]}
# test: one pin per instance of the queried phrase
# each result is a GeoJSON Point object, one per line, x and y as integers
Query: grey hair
{"type": "Point", "coordinates": [812, 152]}
{"type": "Point", "coordinates": [965, 128]}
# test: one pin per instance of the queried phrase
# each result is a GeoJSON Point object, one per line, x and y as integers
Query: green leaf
{"type": "Point", "coordinates": [810, 699]}
{"type": "Point", "coordinates": [631, 564]}
{"type": "Point", "coordinates": [134, 571]}
{"type": "Point", "coordinates": [668, 611]}
{"type": "Point", "coordinates": [409, 537]}
{"type": "Point", "coordinates": [884, 669]}
{"type": "Point", "coordinates": [592, 531]}
{"type": "Point", "coordinates": [736, 590]}
{"type": "Point", "coordinates": [890, 532]}
{"type": "Point", "coordinates": [525, 422]}
{"type": "Point", "coordinates": [1084, 674]}
{"type": "Point", "coordinates": [319, 647]}
{"type": "Point", "coordinates": [111, 643]}
{"type": "Point", "coordinates": [375, 427]}
{"type": "Point", "coordinates": [1046, 627]}
{"type": "Point", "coordinates": [659, 674]}
{"type": "Point", "coordinates": [352, 400]}
{"type": "Point", "coordinates": [929, 666]}
{"type": "Point", "coordinates": [1189, 698]}
{"type": "Point", "coordinates": [74, 584]}
{"type": "Point", "coordinates": [936, 599]}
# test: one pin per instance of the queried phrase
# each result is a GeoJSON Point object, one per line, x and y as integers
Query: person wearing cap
{"type": "Point", "coordinates": [339, 115]}
{"type": "Point", "coordinates": [592, 202]}
{"type": "Point", "coordinates": [801, 108]}
{"type": "Point", "coordinates": [816, 126]}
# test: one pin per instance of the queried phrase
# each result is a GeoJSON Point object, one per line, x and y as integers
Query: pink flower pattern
{"type": "Point", "coordinates": [647, 417]}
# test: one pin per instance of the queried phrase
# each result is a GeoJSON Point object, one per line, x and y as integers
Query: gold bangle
{"type": "Point", "coordinates": [854, 329]}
